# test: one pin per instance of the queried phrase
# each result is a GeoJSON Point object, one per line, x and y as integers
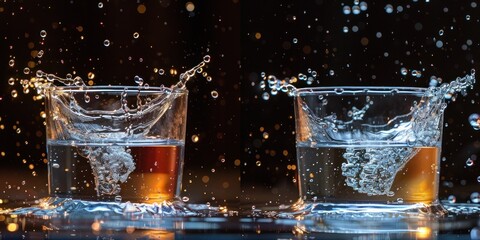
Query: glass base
{"type": "Point", "coordinates": [370, 209]}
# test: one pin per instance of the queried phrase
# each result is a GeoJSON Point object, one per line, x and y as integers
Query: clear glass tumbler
{"type": "Point", "coordinates": [115, 143]}
{"type": "Point", "coordinates": [369, 149]}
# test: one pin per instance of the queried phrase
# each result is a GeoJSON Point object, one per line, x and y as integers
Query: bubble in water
{"type": "Point", "coordinates": [265, 96]}
{"type": "Point", "coordinates": [265, 135]}
{"type": "Point", "coordinates": [416, 73]}
{"type": "Point", "coordinates": [106, 42]}
{"type": "Point", "coordinates": [478, 179]}
{"type": "Point", "coordinates": [403, 71]}
{"type": "Point", "coordinates": [452, 199]}
{"type": "Point", "coordinates": [209, 79]}
{"type": "Point", "coordinates": [100, 5]}
{"type": "Point", "coordinates": [440, 32]}
{"type": "Point", "coordinates": [347, 10]}
{"type": "Point", "coordinates": [475, 197]}
{"type": "Point", "coordinates": [136, 35]}
{"type": "Point", "coordinates": [467, 17]}
{"type": "Point", "coordinates": [345, 29]}
{"type": "Point", "coordinates": [331, 72]}
{"type": "Point", "coordinates": [43, 33]}
{"type": "Point", "coordinates": [474, 120]}
{"type": "Point", "coordinates": [356, 10]}
{"type": "Point", "coordinates": [258, 163]}
{"type": "Point", "coordinates": [87, 98]}
{"type": "Point", "coordinates": [469, 162]}
{"type": "Point", "coordinates": [295, 40]}
{"type": "Point", "coordinates": [389, 8]}
{"type": "Point", "coordinates": [185, 199]}
{"type": "Point", "coordinates": [11, 63]}
{"type": "Point", "coordinates": [11, 81]}
{"type": "Point", "coordinates": [91, 75]}
{"type": "Point", "coordinates": [55, 165]}
{"type": "Point", "coordinates": [118, 199]}
{"type": "Point", "coordinates": [214, 94]}
{"type": "Point", "coordinates": [195, 138]}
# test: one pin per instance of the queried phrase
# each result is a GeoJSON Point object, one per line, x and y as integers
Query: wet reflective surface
{"type": "Point", "coordinates": [205, 222]}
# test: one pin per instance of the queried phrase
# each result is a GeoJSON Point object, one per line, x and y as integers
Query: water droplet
{"type": "Point", "coordinates": [106, 42]}
{"type": "Point", "coordinates": [11, 81]}
{"type": "Point", "coordinates": [389, 8]}
{"type": "Point", "coordinates": [138, 80]}
{"type": "Point", "coordinates": [363, 6]}
{"type": "Point", "coordinates": [265, 96]}
{"type": "Point", "coordinates": [356, 10]}
{"type": "Point", "coordinates": [100, 5]}
{"type": "Point", "coordinates": [439, 44]}
{"type": "Point", "coordinates": [452, 199]}
{"type": "Point", "coordinates": [206, 58]}
{"type": "Point", "coordinates": [469, 162]}
{"type": "Point", "coordinates": [14, 93]}
{"type": "Point", "coordinates": [214, 94]}
{"type": "Point", "coordinates": [195, 138]}
{"type": "Point", "coordinates": [474, 120]}
{"type": "Point", "coordinates": [11, 63]}
{"type": "Point", "coordinates": [190, 6]}
{"type": "Point", "coordinates": [40, 54]}
{"type": "Point", "coordinates": [43, 33]}
{"type": "Point", "coordinates": [475, 197]}
{"type": "Point", "coordinates": [265, 135]}
{"type": "Point", "coordinates": [347, 10]}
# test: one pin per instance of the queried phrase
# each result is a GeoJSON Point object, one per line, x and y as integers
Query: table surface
{"type": "Point", "coordinates": [462, 222]}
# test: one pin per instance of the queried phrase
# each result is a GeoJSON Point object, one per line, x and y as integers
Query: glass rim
{"type": "Point", "coordinates": [353, 90]}
{"type": "Point", "coordinates": [116, 88]}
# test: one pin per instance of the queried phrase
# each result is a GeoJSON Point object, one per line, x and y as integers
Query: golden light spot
{"type": "Point", "coordinates": [80, 28]}
{"type": "Point", "coordinates": [31, 45]}
{"type": "Point", "coordinates": [1, 202]}
{"type": "Point", "coordinates": [423, 233]}
{"type": "Point", "coordinates": [237, 162]}
{"type": "Point", "coordinates": [130, 229]}
{"type": "Point", "coordinates": [90, 83]}
{"type": "Point", "coordinates": [43, 114]}
{"type": "Point", "coordinates": [190, 6]}
{"type": "Point", "coordinates": [262, 129]}
{"type": "Point", "coordinates": [364, 41]}
{"type": "Point", "coordinates": [294, 167]}
{"type": "Point", "coordinates": [265, 135]}
{"type": "Point", "coordinates": [195, 138]}
{"type": "Point", "coordinates": [31, 166]}
{"type": "Point", "coordinates": [311, 175]}
{"type": "Point", "coordinates": [31, 64]}
{"type": "Point", "coordinates": [205, 179]}
{"type": "Point", "coordinates": [289, 167]}
{"type": "Point", "coordinates": [96, 226]}
{"type": "Point", "coordinates": [173, 71]}
{"type": "Point", "coordinates": [258, 35]}
{"type": "Point", "coordinates": [91, 75]}
{"type": "Point", "coordinates": [34, 53]}
{"type": "Point", "coordinates": [285, 153]}
{"type": "Point", "coordinates": [12, 227]}
{"type": "Point", "coordinates": [141, 9]}
{"type": "Point", "coordinates": [3, 154]}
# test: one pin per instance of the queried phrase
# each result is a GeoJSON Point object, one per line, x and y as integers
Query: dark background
{"type": "Point", "coordinates": [246, 144]}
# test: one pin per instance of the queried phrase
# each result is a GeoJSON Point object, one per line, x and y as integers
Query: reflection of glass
{"type": "Point", "coordinates": [368, 148]}
{"type": "Point", "coordinates": [115, 143]}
